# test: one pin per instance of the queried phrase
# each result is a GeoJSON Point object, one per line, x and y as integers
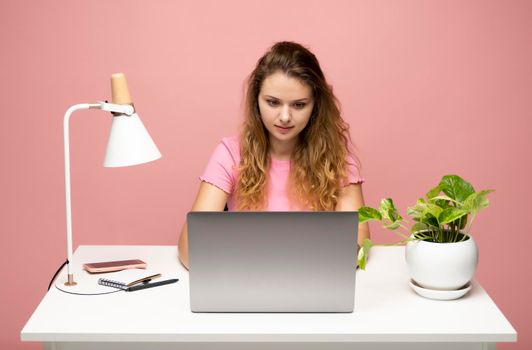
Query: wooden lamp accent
{"type": "Point", "coordinates": [120, 91]}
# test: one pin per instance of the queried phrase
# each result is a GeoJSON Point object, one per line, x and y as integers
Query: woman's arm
{"type": "Point", "coordinates": [209, 198]}
{"type": "Point", "coordinates": [351, 199]}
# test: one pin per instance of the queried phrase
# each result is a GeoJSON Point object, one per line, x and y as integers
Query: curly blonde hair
{"type": "Point", "coordinates": [320, 159]}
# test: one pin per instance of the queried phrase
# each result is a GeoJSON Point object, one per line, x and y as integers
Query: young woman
{"type": "Point", "coordinates": [294, 152]}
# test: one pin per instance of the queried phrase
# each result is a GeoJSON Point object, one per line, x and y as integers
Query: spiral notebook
{"type": "Point", "coordinates": [127, 278]}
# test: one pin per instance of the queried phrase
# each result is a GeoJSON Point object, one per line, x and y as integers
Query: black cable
{"type": "Point", "coordinates": [56, 273]}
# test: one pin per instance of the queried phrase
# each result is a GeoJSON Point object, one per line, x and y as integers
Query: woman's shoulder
{"type": "Point", "coordinates": [354, 175]}
{"type": "Point", "coordinates": [231, 147]}
{"type": "Point", "coordinates": [232, 142]}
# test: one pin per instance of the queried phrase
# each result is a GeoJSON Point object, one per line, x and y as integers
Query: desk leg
{"type": "Point", "coordinates": [50, 346]}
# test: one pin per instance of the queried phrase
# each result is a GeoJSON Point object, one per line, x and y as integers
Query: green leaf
{"type": "Point", "coordinates": [426, 213]}
{"type": "Point", "coordinates": [419, 226]}
{"type": "Point", "coordinates": [450, 214]}
{"type": "Point", "coordinates": [477, 201]}
{"type": "Point", "coordinates": [443, 204]}
{"type": "Point", "coordinates": [433, 192]}
{"type": "Point", "coordinates": [436, 199]}
{"type": "Point", "coordinates": [456, 187]}
{"type": "Point", "coordinates": [430, 219]}
{"type": "Point", "coordinates": [388, 210]}
{"type": "Point", "coordinates": [433, 209]}
{"type": "Point", "coordinates": [417, 210]}
{"type": "Point", "coordinates": [367, 214]}
{"type": "Point", "coordinates": [392, 226]}
{"type": "Point", "coordinates": [363, 253]}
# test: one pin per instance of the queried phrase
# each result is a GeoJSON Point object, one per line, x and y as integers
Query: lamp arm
{"type": "Point", "coordinates": [68, 205]}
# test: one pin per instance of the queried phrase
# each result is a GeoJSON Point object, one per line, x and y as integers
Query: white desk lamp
{"type": "Point", "coordinates": [129, 144]}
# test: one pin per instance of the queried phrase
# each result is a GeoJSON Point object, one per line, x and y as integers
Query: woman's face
{"type": "Point", "coordinates": [285, 106]}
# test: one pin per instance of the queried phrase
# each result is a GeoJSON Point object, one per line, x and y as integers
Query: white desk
{"type": "Point", "coordinates": [388, 315]}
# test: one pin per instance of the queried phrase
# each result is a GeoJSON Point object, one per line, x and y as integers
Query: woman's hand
{"type": "Point", "coordinates": [209, 198]}
{"type": "Point", "coordinates": [352, 199]}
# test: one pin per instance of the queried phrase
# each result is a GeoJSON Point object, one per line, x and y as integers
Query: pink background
{"type": "Point", "coordinates": [429, 88]}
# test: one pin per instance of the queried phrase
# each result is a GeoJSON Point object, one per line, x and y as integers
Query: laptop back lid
{"type": "Point", "coordinates": [272, 261]}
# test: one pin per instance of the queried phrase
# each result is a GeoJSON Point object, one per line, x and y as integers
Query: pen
{"type": "Point", "coordinates": [149, 285]}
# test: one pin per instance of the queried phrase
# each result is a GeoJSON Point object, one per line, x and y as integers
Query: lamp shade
{"type": "Point", "coordinates": [129, 143]}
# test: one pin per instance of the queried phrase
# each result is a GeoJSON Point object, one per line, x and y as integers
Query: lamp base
{"type": "Point", "coordinates": [70, 281]}
{"type": "Point", "coordinates": [86, 284]}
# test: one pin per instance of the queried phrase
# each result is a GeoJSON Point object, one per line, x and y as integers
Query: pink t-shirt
{"type": "Point", "coordinates": [221, 172]}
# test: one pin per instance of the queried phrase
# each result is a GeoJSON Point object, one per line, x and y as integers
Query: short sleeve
{"type": "Point", "coordinates": [220, 170]}
{"type": "Point", "coordinates": [353, 171]}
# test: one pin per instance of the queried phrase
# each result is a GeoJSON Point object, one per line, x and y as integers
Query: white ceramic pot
{"type": "Point", "coordinates": [442, 266]}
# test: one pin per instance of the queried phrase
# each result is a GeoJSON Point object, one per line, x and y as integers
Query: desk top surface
{"type": "Point", "coordinates": [386, 310]}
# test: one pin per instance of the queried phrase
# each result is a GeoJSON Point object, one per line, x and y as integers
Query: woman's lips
{"type": "Point", "coordinates": [284, 129]}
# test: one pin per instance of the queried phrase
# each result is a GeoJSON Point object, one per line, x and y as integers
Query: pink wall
{"type": "Point", "coordinates": [429, 87]}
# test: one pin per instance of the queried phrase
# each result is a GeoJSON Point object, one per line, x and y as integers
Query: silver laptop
{"type": "Point", "coordinates": [272, 261]}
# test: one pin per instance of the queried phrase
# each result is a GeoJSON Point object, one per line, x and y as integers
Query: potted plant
{"type": "Point", "coordinates": [440, 252]}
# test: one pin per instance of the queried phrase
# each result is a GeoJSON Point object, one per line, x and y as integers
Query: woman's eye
{"type": "Point", "coordinates": [273, 102]}
{"type": "Point", "coordinates": [299, 105]}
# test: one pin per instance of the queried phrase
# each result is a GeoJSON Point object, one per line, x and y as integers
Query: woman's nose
{"type": "Point", "coordinates": [285, 114]}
